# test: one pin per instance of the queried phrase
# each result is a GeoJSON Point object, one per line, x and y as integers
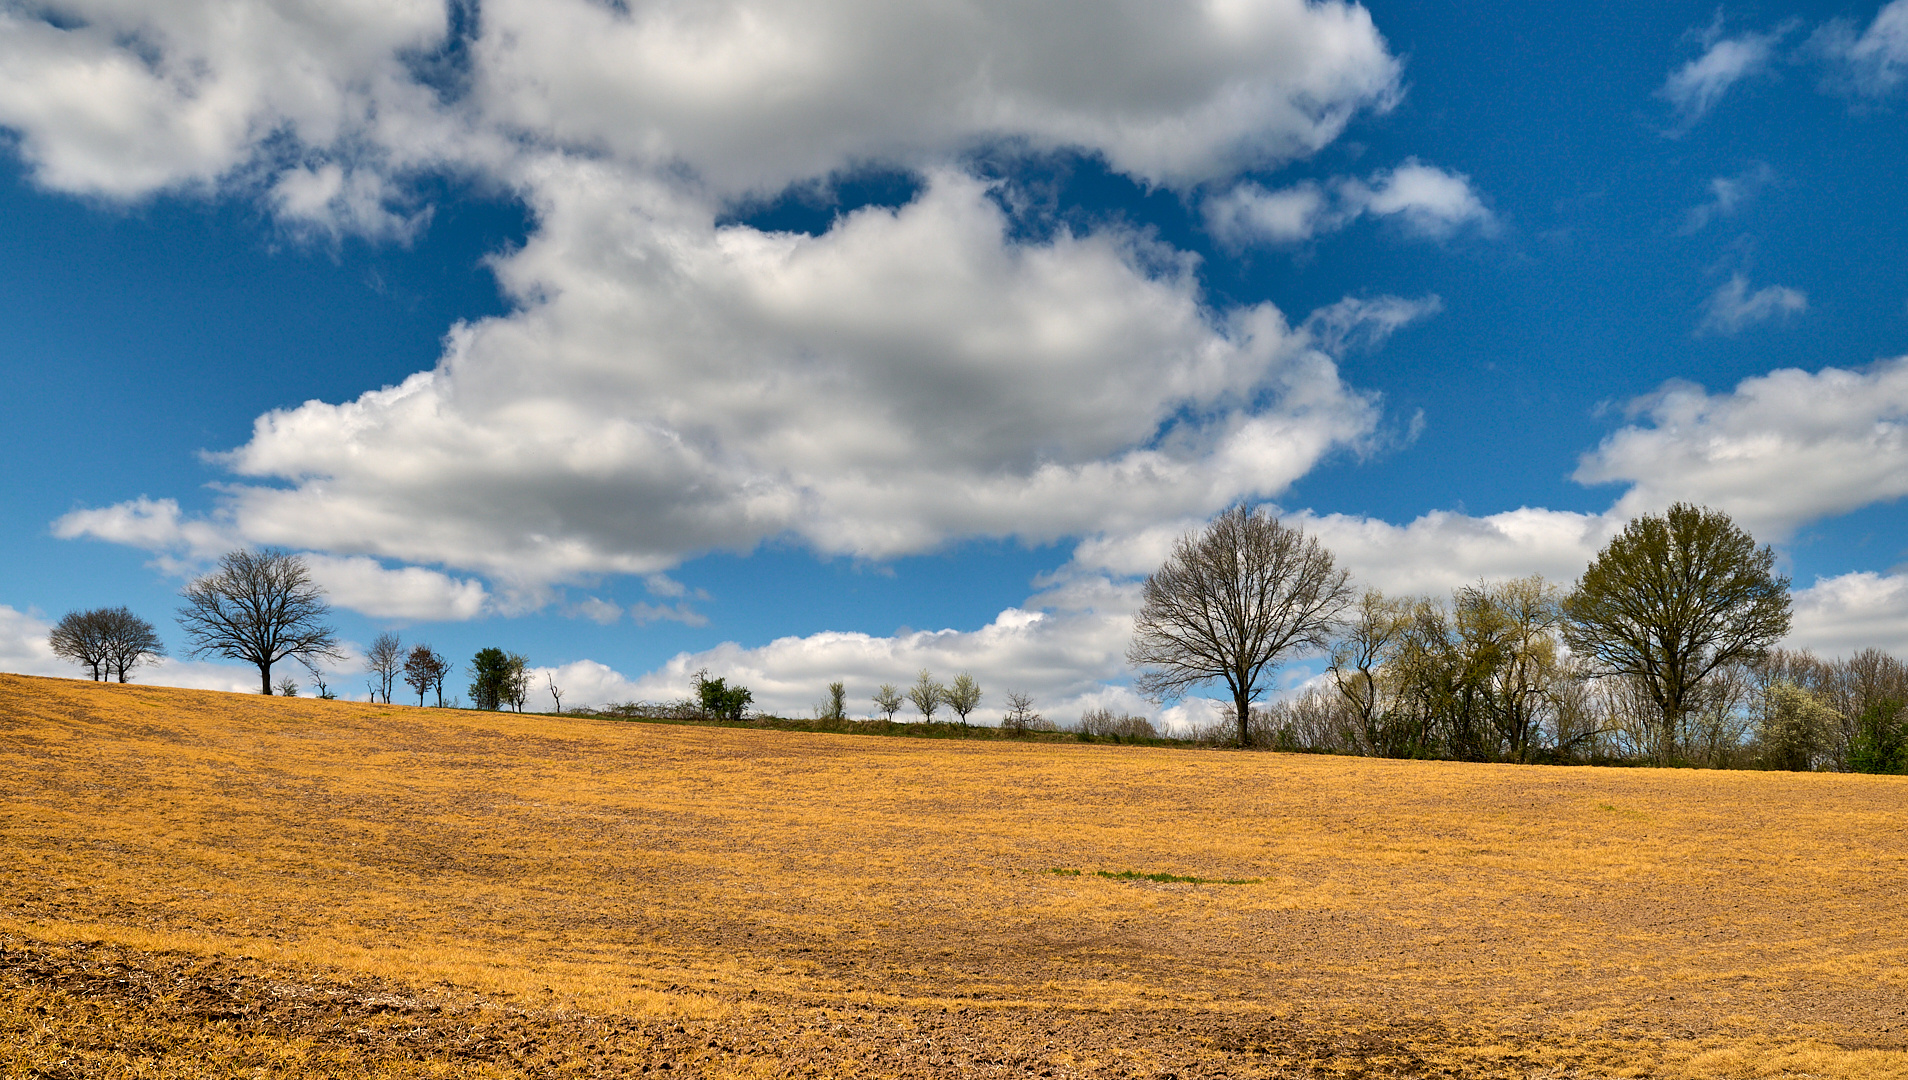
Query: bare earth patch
{"type": "Point", "coordinates": [200, 884]}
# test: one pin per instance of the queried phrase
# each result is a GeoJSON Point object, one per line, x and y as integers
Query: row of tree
{"type": "Point", "coordinates": [1663, 651]}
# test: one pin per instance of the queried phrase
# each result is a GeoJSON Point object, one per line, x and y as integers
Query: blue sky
{"type": "Point", "coordinates": [815, 341]}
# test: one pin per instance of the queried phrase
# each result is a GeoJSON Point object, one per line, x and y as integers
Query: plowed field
{"type": "Point", "coordinates": [201, 884]}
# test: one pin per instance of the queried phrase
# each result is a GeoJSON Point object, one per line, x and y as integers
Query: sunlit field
{"type": "Point", "coordinates": [203, 884]}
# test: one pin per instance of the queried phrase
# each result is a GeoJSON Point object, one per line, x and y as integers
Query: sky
{"type": "Point", "coordinates": [826, 340]}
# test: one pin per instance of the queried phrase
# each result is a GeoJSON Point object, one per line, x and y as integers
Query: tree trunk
{"type": "Point", "coordinates": [265, 677]}
{"type": "Point", "coordinates": [1244, 706]}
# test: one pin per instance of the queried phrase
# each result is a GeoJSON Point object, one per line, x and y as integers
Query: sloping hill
{"type": "Point", "coordinates": [211, 884]}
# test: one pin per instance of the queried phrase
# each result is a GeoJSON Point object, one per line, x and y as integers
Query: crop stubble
{"type": "Point", "coordinates": [213, 884]}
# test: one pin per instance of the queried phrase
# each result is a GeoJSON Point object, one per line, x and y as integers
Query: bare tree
{"type": "Point", "coordinates": [260, 607]}
{"type": "Point", "coordinates": [385, 658]}
{"type": "Point", "coordinates": [79, 637]}
{"type": "Point", "coordinates": [927, 695]}
{"type": "Point", "coordinates": [516, 685]}
{"type": "Point", "coordinates": [962, 695]}
{"type": "Point", "coordinates": [888, 699]}
{"type": "Point", "coordinates": [1021, 717]}
{"type": "Point", "coordinates": [556, 695]}
{"type": "Point", "coordinates": [1229, 602]}
{"type": "Point", "coordinates": [1672, 600]}
{"type": "Point", "coordinates": [130, 640]}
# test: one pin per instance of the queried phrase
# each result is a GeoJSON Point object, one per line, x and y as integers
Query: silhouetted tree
{"type": "Point", "coordinates": [259, 607]}
{"type": "Point", "coordinates": [424, 670]}
{"type": "Point", "coordinates": [385, 658]}
{"type": "Point", "coordinates": [1228, 603]}
{"type": "Point", "coordinates": [111, 642]}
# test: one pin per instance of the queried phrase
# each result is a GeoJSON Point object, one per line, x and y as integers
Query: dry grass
{"type": "Point", "coordinates": [202, 884]}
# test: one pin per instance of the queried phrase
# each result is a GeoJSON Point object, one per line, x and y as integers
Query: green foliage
{"type": "Point", "coordinates": [963, 695]}
{"type": "Point", "coordinates": [1670, 601]}
{"type": "Point", "coordinates": [927, 695]}
{"type": "Point", "coordinates": [720, 700]}
{"type": "Point", "coordinates": [1141, 875]}
{"type": "Point", "coordinates": [1881, 740]}
{"type": "Point", "coordinates": [1795, 727]}
{"type": "Point", "coordinates": [490, 677]}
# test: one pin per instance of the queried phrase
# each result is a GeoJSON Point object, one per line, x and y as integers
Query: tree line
{"type": "Point", "coordinates": [261, 607]}
{"type": "Point", "coordinates": [1662, 652]}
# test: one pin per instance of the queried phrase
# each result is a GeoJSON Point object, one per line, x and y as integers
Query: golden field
{"type": "Point", "coordinates": [200, 884]}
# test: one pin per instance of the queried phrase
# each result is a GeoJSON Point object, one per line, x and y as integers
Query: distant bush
{"type": "Point", "coordinates": [1021, 717]}
{"type": "Point", "coordinates": [1103, 722]}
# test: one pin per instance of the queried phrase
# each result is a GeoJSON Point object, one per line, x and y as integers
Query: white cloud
{"type": "Point", "coordinates": [1727, 194]}
{"type": "Point", "coordinates": [909, 377]}
{"type": "Point", "coordinates": [184, 545]}
{"type": "Point", "coordinates": [1779, 450]}
{"type": "Point", "coordinates": [667, 387]}
{"type": "Point", "coordinates": [24, 649]}
{"type": "Point", "coordinates": [1425, 200]}
{"type": "Point", "coordinates": [407, 592]}
{"type": "Point", "coordinates": [323, 104]}
{"type": "Point", "coordinates": [1733, 308]}
{"type": "Point", "coordinates": [1842, 615]}
{"type": "Point", "coordinates": [1873, 63]}
{"type": "Point", "coordinates": [1441, 550]}
{"type": "Point", "coordinates": [1694, 88]}
{"type": "Point", "coordinates": [753, 96]}
{"type": "Point", "coordinates": [121, 99]}
{"type": "Point", "coordinates": [1065, 656]}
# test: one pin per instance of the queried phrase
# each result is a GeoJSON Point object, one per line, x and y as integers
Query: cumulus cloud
{"type": "Point", "coordinates": [1839, 616]}
{"type": "Point", "coordinates": [120, 100]}
{"type": "Point", "coordinates": [753, 96]}
{"type": "Point", "coordinates": [323, 103]}
{"type": "Point", "coordinates": [1694, 88]}
{"type": "Point", "coordinates": [1727, 194]}
{"type": "Point", "coordinates": [1874, 62]}
{"type": "Point", "coordinates": [1733, 308]}
{"type": "Point", "coordinates": [1426, 201]}
{"type": "Point", "coordinates": [1777, 451]}
{"type": "Point", "coordinates": [911, 376]}
{"type": "Point", "coordinates": [185, 545]}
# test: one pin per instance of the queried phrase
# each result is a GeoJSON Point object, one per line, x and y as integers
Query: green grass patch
{"type": "Point", "coordinates": [1139, 875]}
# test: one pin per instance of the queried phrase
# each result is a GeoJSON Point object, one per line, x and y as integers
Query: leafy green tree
{"type": "Point", "coordinates": [889, 700]}
{"type": "Point", "coordinates": [1880, 744]}
{"type": "Point", "coordinates": [716, 698]}
{"type": "Point", "coordinates": [424, 670]}
{"type": "Point", "coordinates": [836, 707]}
{"type": "Point", "coordinates": [1795, 727]}
{"type": "Point", "coordinates": [963, 695]}
{"type": "Point", "coordinates": [1229, 603]}
{"type": "Point", "coordinates": [927, 695]}
{"type": "Point", "coordinates": [489, 679]}
{"type": "Point", "coordinates": [1674, 598]}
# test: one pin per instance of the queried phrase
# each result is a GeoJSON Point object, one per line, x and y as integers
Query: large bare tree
{"type": "Point", "coordinates": [80, 637]}
{"type": "Point", "coordinates": [1230, 601]}
{"type": "Point", "coordinates": [1672, 600]}
{"type": "Point", "coordinates": [384, 659]}
{"type": "Point", "coordinates": [259, 607]}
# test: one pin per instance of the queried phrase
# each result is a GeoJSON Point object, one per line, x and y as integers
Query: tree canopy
{"type": "Point", "coordinates": [1230, 601]}
{"type": "Point", "coordinates": [259, 607]}
{"type": "Point", "coordinates": [1674, 598]}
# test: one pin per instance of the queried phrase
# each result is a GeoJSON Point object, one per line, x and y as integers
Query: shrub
{"type": "Point", "coordinates": [1103, 722]}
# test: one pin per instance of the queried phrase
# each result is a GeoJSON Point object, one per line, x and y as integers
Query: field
{"type": "Point", "coordinates": [212, 885]}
